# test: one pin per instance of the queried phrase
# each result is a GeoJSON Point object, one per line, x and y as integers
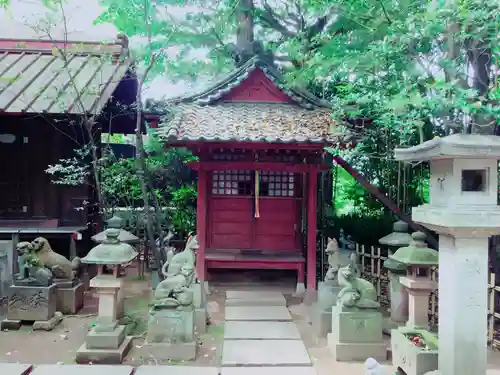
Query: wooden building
{"type": "Point", "coordinates": [260, 145]}
{"type": "Point", "coordinates": [54, 98]}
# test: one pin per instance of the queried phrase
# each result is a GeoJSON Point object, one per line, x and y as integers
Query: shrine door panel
{"type": "Point", "coordinates": [231, 208]}
{"type": "Point", "coordinates": [276, 227]}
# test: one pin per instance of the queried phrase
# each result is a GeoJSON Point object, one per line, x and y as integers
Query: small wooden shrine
{"type": "Point", "coordinates": [55, 96]}
{"type": "Point", "coordinates": [260, 145]}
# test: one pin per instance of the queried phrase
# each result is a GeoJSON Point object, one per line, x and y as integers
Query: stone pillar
{"type": "Point", "coordinates": [463, 305]}
{"type": "Point", "coordinates": [399, 300]}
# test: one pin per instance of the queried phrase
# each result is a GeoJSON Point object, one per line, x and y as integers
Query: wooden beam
{"type": "Point", "coordinates": [431, 238]}
{"type": "Point", "coordinates": [312, 199]}
{"type": "Point", "coordinates": [253, 165]}
{"type": "Point", "coordinates": [201, 224]}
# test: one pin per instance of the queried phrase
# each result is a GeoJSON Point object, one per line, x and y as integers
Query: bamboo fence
{"type": "Point", "coordinates": [372, 258]}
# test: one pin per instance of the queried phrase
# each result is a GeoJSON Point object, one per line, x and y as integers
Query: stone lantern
{"type": "Point", "coordinates": [463, 210]}
{"type": "Point", "coordinates": [397, 293]}
{"type": "Point", "coordinates": [417, 260]}
{"type": "Point", "coordinates": [107, 341]}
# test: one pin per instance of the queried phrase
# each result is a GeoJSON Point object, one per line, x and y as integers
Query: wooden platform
{"type": "Point", "coordinates": [255, 259]}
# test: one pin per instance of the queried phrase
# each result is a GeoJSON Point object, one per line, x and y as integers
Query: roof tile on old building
{"type": "Point", "coordinates": [60, 77]}
{"type": "Point", "coordinates": [205, 116]}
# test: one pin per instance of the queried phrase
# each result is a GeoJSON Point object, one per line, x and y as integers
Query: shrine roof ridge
{"type": "Point", "coordinates": [472, 146]}
{"type": "Point", "coordinates": [224, 85]}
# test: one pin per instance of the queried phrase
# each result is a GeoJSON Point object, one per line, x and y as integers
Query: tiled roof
{"type": "Point", "coordinates": [36, 78]}
{"type": "Point", "coordinates": [203, 116]}
{"type": "Point", "coordinates": [249, 122]}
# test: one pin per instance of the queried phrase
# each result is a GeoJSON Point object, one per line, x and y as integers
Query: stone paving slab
{"type": "Point", "coordinates": [176, 370]}
{"type": "Point", "coordinates": [82, 370]}
{"type": "Point", "coordinates": [257, 301]}
{"type": "Point", "coordinates": [238, 330]}
{"type": "Point", "coordinates": [265, 352]}
{"type": "Point", "coordinates": [258, 313]}
{"type": "Point", "coordinates": [252, 294]}
{"type": "Point", "coordinates": [268, 371]}
{"type": "Point", "coordinates": [14, 369]}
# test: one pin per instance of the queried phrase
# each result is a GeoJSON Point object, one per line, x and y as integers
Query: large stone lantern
{"type": "Point", "coordinates": [107, 341]}
{"type": "Point", "coordinates": [463, 210]}
{"type": "Point", "coordinates": [397, 293]}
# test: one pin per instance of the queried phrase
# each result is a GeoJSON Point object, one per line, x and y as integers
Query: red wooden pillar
{"type": "Point", "coordinates": [312, 198]}
{"type": "Point", "coordinates": [201, 223]}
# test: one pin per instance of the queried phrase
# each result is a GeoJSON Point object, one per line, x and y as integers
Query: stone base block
{"type": "Point", "coordinates": [70, 299]}
{"type": "Point", "coordinates": [182, 351]}
{"type": "Point", "coordinates": [84, 355]}
{"type": "Point", "coordinates": [31, 303]}
{"type": "Point", "coordinates": [48, 325]}
{"type": "Point", "coordinates": [106, 340]}
{"type": "Point", "coordinates": [321, 322]}
{"type": "Point", "coordinates": [358, 326]}
{"type": "Point", "coordinates": [257, 301]}
{"type": "Point", "coordinates": [167, 325]}
{"type": "Point", "coordinates": [10, 325]}
{"type": "Point", "coordinates": [356, 351]}
{"type": "Point", "coordinates": [200, 320]}
{"type": "Point", "coordinates": [390, 324]}
{"type": "Point", "coordinates": [37, 325]}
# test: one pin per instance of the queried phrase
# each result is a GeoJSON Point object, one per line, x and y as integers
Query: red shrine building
{"type": "Point", "coordinates": [260, 148]}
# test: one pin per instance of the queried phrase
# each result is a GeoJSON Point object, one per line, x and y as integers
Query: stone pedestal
{"type": "Point", "coordinates": [419, 291]}
{"type": "Point", "coordinates": [321, 318]}
{"type": "Point", "coordinates": [409, 357]}
{"type": "Point", "coordinates": [107, 342]}
{"type": "Point", "coordinates": [171, 333]}
{"type": "Point", "coordinates": [357, 335]}
{"type": "Point", "coordinates": [201, 317]}
{"type": "Point", "coordinates": [35, 304]}
{"type": "Point", "coordinates": [399, 304]}
{"type": "Point", "coordinates": [69, 295]}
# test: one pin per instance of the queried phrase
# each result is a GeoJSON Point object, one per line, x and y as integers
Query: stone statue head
{"type": "Point", "coordinates": [40, 243]}
{"type": "Point", "coordinates": [332, 246]}
{"type": "Point", "coordinates": [348, 272]}
{"type": "Point", "coordinates": [192, 243]}
{"type": "Point", "coordinates": [23, 248]}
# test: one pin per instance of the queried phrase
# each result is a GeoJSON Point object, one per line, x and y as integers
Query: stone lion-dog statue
{"type": "Point", "coordinates": [61, 267]}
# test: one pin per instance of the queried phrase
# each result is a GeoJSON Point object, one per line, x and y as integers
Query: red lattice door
{"type": "Point", "coordinates": [233, 223]}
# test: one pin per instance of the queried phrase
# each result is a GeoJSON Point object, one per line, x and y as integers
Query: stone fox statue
{"type": "Point", "coordinates": [356, 292]}
{"type": "Point", "coordinates": [186, 256]}
{"type": "Point", "coordinates": [60, 266]}
{"type": "Point", "coordinates": [175, 290]}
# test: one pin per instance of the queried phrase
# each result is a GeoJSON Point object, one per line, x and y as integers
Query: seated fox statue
{"type": "Point", "coordinates": [356, 293]}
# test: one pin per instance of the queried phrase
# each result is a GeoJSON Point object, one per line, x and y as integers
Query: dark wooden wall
{"type": "Point", "coordinates": [26, 191]}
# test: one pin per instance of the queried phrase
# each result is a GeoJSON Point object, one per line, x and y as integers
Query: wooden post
{"type": "Point", "coordinates": [201, 223]}
{"type": "Point", "coordinates": [312, 197]}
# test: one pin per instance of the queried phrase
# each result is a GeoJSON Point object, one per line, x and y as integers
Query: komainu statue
{"type": "Point", "coordinates": [356, 292]}
{"type": "Point", "coordinates": [332, 251]}
{"type": "Point", "coordinates": [31, 270]}
{"type": "Point", "coordinates": [61, 267]}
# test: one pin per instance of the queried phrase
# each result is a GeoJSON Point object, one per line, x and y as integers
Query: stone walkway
{"type": "Point", "coordinates": [259, 332]}
{"type": "Point", "coordinates": [259, 335]}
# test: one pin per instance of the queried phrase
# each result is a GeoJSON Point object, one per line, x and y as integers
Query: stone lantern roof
{"type": "Point", "coordinates": [399, 236]}
{"type": "Point", "coordinates": [111, 251]}
{"type": "Point", "coordinates": [417, 253]}
{"type": "Point", "coordinates": [116, 223]}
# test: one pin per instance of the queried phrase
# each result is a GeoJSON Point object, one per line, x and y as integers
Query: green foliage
{"type": "Point", "coordinates": [184, 213]}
